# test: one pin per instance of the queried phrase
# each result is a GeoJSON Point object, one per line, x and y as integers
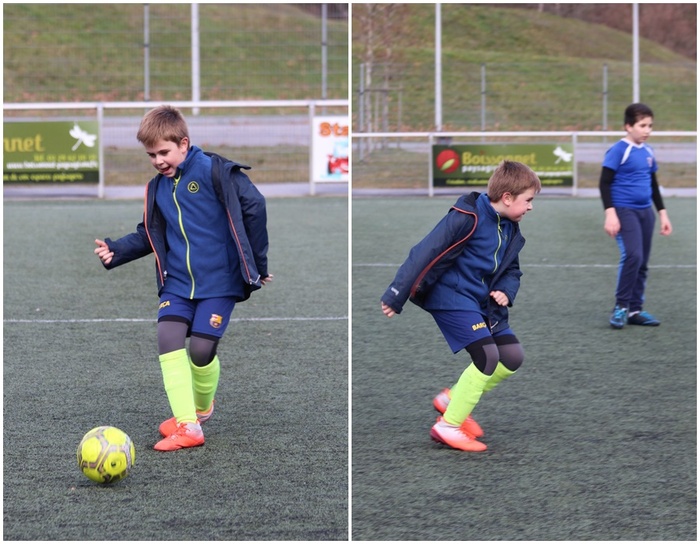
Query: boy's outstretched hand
{"type": "Point", "coordinates": [267, 280]}
{"type": "Point", "coordinates": [388, 311]}
{"type": "Point", "coordinates": [103, 252]}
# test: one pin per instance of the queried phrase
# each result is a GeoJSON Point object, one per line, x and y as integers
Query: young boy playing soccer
{"type": "Point", "coordinates": [466, 274]}
{"type": "Point", "coordinates": [205, 222]}
{"type": "Point", "coordinates": [628, 187]}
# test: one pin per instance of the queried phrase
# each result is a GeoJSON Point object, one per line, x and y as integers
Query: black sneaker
{"type": "Point", "coordinates": [643, 318]}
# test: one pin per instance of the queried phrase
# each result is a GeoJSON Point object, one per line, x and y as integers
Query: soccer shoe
{"type": "Point", "coordinates": [187, 435]}
{"type": "Point", "coordinates": [455, 437]}
{"type": "Point", "coordinates": [618, 318]}
{"type": "Point", "coordinates": [644, 319]}
{"type": "Point", "coordinates": [442, 400]}
{"type": "Point", "coordinates": [169, 425]}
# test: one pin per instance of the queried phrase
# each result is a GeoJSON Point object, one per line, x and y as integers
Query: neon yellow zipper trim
{"type": "Point", "coordinates": [184, 234]}
{"type": "Point", "coordinates": [500, 241]}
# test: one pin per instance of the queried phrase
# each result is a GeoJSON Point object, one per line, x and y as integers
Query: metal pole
{"type": "Point", "coordinates": [362, 109]}
{"type": "Point", "coordinates": [605, 96]}
{"type": "Point", "coordinates": [574, 142]}
{"type": "Point", "coordinates": [483, 97]}
{"type": "Point", "coordinates": [100, 151]}
{"type": "Point", "coordinates": [324, 51]}
{"type": "Point", "coordinates": [635, 52]}
{"type": "Point", "coordinates": [431, 142]}
{"type": "Point", "coordinates": [312, 181]}
{"type": "Point", "coordinates": [195, 57]}
{"type": "Point", "coordinates": [146, 54]}
{"type": "Point", "coordinates": [438, 67]}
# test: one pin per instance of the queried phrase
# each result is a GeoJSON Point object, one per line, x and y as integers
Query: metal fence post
{"type": "Point", "coordinates": [483, 97]}
{"type": "Point", "coordinates": [312, 182]}
{"type": "Point", "coordinates": [100, 151]}
{"type": "Point", "coordinates": [574, 143]}
{"type": "Point", "coordinates": [431, 190]}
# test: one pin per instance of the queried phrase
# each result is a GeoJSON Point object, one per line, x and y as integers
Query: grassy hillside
{"type": "Point", "coordinates": [73, 52]}
{"type": "Point", "coordinates": [543, 72]}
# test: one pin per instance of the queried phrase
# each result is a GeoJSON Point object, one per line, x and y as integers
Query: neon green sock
{"type": "Point", "coordinates": [465, 395]}
{"type": "Point", "coordinates": [177, 380]}
{"type": "Point", "coordinates": [500, 374]}
{"type": "Point", "coordinates": [205, 380]}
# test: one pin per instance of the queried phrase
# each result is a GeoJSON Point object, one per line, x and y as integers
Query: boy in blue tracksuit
{"type": "Point", "coordinates": [205, 222]}
{"type": "Point", "coordinates": [628, 188]}
{"type": "Point", "coordinates": [466, 273]}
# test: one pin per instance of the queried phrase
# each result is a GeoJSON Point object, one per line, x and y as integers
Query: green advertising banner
{"type": "Point", "coordinates": [473, 164]}
{"type": "Point", "coordinates": [50, 152]}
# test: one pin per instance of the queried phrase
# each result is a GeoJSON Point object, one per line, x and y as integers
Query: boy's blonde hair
{"type": "Point", "coordinates": [514, 178]}
{"type": "Point", "coordinates": [162, 123]}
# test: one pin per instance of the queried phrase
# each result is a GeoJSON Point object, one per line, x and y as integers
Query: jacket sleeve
{"type": "Point", "coordinates": [423, 258]}
{"type": "Point", "coordinates": [129, 248]}
{"type": "Point", "coordinates": [254, 211]}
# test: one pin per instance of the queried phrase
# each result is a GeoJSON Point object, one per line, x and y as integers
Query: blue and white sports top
{"type": "Point", "coordinates": [633, 166]}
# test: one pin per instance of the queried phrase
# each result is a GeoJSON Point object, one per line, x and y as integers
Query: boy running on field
{"type": "Point", "coordinates": [466, 274]}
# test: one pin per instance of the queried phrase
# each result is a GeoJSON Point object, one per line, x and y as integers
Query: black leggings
{"type": "Point", "coordinates": [172, 336]}
{"type": "Point", "coordinates": [487, 352]}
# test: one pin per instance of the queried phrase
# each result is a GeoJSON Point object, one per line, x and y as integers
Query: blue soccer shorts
{"type": "Point", "coordinates": [462, 328]}
{"type": "Point", "coordinates": [206, 317]}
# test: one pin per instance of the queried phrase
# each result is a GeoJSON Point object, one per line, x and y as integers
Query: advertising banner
{"type": "Point", "coordinates": [473, 164]}
{"type": "Point", "coordinates": [50, 152]}
{"type": "Point", "coordinates": [330, 159]}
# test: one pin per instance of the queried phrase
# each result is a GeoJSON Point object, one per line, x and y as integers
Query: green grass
{"type": "Point", "coordinates": [543, 72]}
{"type": "Point", "coordinates": [68, 52]}
{"type": "Point", "coordinates": [274, 467]}
{"type": "Point", "coordinates": [593, 439]}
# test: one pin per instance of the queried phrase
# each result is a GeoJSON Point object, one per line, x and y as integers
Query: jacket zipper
{"type": "Point", "coordinates": [147, 225]}
{"type": "Point", "coordinates": [500, 241]}
{"type": "Point", "coordinates": [184, 234]}
{"type": "Point", "coordinates": [239, 247]}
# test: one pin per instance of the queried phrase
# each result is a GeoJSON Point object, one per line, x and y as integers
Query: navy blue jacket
{"type": "Point", "coordinates": [436, 253]}
{"type": "Point", "coordinates": [247, 220]}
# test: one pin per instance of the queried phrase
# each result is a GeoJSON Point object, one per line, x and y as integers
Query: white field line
{"type": "Point", "coordinates": [153, 320]}
{"type": "Point", "coordinates": [540, 265]}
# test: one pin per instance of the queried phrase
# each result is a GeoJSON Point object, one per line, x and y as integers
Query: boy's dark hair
{"type": "Point", "coordinates": [514, 178]}
{"type": "Point", "coordinates": [637, 111]}
{"type": "Point", "coordinates": [162, 123]}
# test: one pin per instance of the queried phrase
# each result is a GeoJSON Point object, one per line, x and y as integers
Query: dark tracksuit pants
{"type": "Point", "coordinates": [634, 242]}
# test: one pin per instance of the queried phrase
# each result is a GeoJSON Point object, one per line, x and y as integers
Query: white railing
{"type": "Point", "coordinates": [689, 151]}
{"type": "Point", "coordinates": [312, 107]}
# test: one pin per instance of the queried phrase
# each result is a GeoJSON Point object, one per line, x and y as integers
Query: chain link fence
{"type": "Point", "coordinates": [260, 54]}
{"type": "Point", "coordinates": [128, 52]}
{"type": "Point", "coordinates": [520, 96]}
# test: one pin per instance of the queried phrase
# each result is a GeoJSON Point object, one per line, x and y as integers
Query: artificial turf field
{"type": "Point", "coordinates": [80, 351]}
{"type": "Point", "coordinates": [594, 438]}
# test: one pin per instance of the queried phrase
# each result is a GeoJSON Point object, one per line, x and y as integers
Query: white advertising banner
{"type": "Point", "coordinates": [330, 143]}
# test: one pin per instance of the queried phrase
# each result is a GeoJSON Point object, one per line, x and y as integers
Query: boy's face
{"type": "Point", "coordinates": [517, 206]}
{"type": "Point", "coordinates": [167, 156]}
{"type": "Point", "coordinates": [641, 130]}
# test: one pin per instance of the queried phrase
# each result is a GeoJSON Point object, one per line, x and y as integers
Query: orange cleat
{"type": "Point", "coordinates": [169, 426]}
{"type": "Point", "coordinates": [442, 400]}
{"type": "Point", "coordinates": [186, 435]}
{"type": "Point", "coordinates": [455, 437]}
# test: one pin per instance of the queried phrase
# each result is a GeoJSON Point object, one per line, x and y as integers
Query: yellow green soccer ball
{"type": "Point", "coordinates": [106, 454]}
